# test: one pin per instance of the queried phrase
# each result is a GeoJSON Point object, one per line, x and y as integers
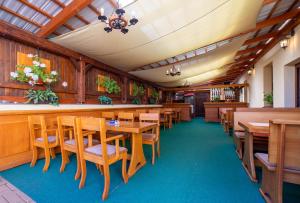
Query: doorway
{"type": "Point", "coordinates": [201, 97]}
{"type": "Point", "coordinates": [268, 81]}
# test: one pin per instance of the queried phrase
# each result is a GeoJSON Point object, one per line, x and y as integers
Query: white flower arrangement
{"type": "Point", "coordinates": [53, 72]}
{"type": "Point", "coordinates": [14, 74]}
{"type": "Point", "coordinates": [34, 74]}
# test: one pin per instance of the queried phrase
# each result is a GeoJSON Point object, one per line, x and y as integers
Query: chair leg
{"type": "Point", "coordinates": [123, 141]}
{"type": "Point", "coordinates": [124, 173]}
{"type": "Point", "coordinates": [63, 161]}
{"type": "Point", "coordinates": [106, 182]}
{"type": "Point", "coordinates": [83, 173]}
{"type": "Point", "coordinates": [158, 148]}
{"type": "Point", "coordinates": [47, 159]}
{"type": "Point", "coordinates": [34, 156]}
{"type": "Point", "coordinates": [153, 153]}
{"type": "Point", "coordinates": [78, 170]}
{"type": "Point", "coordinates": [52, 152]}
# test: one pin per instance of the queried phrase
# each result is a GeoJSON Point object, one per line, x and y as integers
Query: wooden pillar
{"type": "Point", "coordinates": [124, 92]}
{"type": "Point", "coordinates": [81, 82]}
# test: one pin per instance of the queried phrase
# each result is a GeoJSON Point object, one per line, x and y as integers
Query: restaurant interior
{"type": "Point", "coordinates": [149, 101]}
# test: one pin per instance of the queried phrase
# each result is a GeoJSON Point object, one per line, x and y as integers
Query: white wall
{"type": "Point", "coordinates": [283, 62]}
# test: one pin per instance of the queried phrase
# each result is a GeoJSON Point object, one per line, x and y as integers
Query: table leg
{"type": "Point", "coordinates": [137, 156]}
{"type": "Point", "coordinates": [248, 157]}
{"type": "Point", "coordinates": [170, 120]}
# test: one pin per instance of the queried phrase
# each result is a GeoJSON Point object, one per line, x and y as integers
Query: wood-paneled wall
{"type": "Point", "coordinates": [69, 71]}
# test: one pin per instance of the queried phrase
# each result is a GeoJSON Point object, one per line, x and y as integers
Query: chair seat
{"type": "Point", "coordinates": [148, 136]}
{"type": "Point", "coordinates": [111, 149]}
{"type": "Point", "coordinates": [264, 159]}
{"type": "Point", "coordinates": [51, 138]}
{"type": "Point", "coordinates": [240, 134]}
{"type": "Point", "coordinates": [72, 141]}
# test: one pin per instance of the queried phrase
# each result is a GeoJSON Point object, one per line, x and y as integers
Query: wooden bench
{"type": "Point", "coordinates": [282, 163]}
{"type": "Point", "coordinates": [258, 115]}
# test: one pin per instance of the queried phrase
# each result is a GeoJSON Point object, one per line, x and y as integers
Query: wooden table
{"type": "Point", "coordinates": [252, 130]}
{"type": "Point", "coordinates": [137, 158]}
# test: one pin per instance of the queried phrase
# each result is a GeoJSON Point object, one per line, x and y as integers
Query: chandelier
{"type": "Point", "coordinates": [117, 20]}
{"type": "Point", "coordinates": [173, 71]}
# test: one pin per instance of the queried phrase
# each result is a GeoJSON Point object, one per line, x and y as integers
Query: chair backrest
{"type": "Point", "coordinates": [154, 111]}
{"type": "Point", "coordinates": [284, 143]}
{"type": "Point", "coordinates": [91, 124]}
{"type": "Point", "coordinates": [151, 118]}
{"type": "Point", "coordinates": [37, 124]}
{"type": "Point", "coordinates": [262, 116]}
{"type": "Point", "coordinates": [126, 116]}
{"type": "Point", "coordinates": [108, 115]}
{"type": "Point", "coordinates": [66, 124]}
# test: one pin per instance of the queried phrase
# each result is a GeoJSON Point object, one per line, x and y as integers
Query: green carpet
{"type": "Point", "coordinates": [197, 164]}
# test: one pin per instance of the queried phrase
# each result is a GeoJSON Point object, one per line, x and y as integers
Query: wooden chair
{"type": "Point", "coordinates": [282, 163]}
{"type": "Point", "coordinates": [163, 117]}
{"type": "Point", "coordinates": [228, 120]}
{"type": "Point", "coordinates": [111, 116]}
{"type": "Point", "coordinates": [68, 141]}
{"type": "Point", "coordinates": [126, 116]}
{"type": "Point", "coordinates": [42, 137]}
{"type": "Point", "coordinates": [152, 138]}
{"type": "Point", "coordinates": [108, 115]}
{"type": "Point", "coordinates": [103, 154]}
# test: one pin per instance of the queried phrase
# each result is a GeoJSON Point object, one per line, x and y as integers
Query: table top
{"type": "Point", "coordinates": [255, 127]}
{"type": "Point", "coordinates": [131, 127]}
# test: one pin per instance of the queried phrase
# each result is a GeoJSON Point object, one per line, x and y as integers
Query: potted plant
{"type": "Point", "coordinates": [41, 97]}
{"type": "Point", "coordinates": [105, 100]}
{"type": "Point", "coordinates": [154, 97]}
{"type": "Point", "coordinates": [35, 74]}
{"type": "Point", "coordinates": [111, 87]}
{"type": "Point", "coordinates": [268, 99]}
{"type": "Point", "coordinates": [138, 91]}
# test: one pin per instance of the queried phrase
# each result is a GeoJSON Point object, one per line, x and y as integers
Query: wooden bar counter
{"type": "Point", "coordinates": [212, 109]}
{"type": "Point", "coordinates": [15, 147]}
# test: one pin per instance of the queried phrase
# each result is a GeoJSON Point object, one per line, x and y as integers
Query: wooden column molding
{"type": "Point", "coordinates": [81, 82]}
{"type": "Point", "coordinates": [124, 92]}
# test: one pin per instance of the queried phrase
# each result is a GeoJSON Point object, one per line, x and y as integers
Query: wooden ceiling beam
{"type": "Point", "coordinates": [113, 3]}
{"type": "Point", "coordinates": [30, 5]}
{"type": "Point", "coordinates": [19, 16]}
{"type": "Point", "coordinates": [245, 58]}
{"type": "Point", "coordinates": [82, 19]}
{"type": "Point", "coordinates": [265, 2]}
{"type": "Point", "coordinates": [249, 50]}
{"type": "Point", "coordinates": [95, 10]}
{"type": "Point", "coordinates": [68, 12]}
{"type": "Point", "coordinates": [261, 38]}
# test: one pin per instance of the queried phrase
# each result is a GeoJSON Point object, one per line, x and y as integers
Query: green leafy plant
{"type": "Point", "coordinates": [268, 98]}
{"type": "Point", "coordinates": [138, 92]}
{"type": "Point", "coordinates": [154, 97]}
{"type": "Point", "coordinates": [136, 101]}
{"type": "Point", "coordinates": [41, 97]}
{"type": "Point", "coordinates": [216, 98]}
{"type": "Point", "coordinates": [105, 100]}
{"type": "Point", "coordinates": [111, 86]}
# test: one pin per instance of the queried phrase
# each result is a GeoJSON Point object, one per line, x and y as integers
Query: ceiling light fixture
{"type": "Point", "coordinates": [117, 20]}
{"type": "Point", "coordinates": [174, 71]}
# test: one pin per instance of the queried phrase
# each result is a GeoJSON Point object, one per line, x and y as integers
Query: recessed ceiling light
{"type": "Point", "coordinates": [269, 40]}
{"type": "Point", "coordinates": [258, 51]}
{"type": "Point", "coordinates": [251, 59]}
{"type": "Point", "coordinates": [284, 24]}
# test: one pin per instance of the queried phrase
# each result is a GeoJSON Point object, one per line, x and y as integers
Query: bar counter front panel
{"type": "Point", "coordinates": [212, 109]}
{"type": "Point", "coordinates": [15, 146]}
